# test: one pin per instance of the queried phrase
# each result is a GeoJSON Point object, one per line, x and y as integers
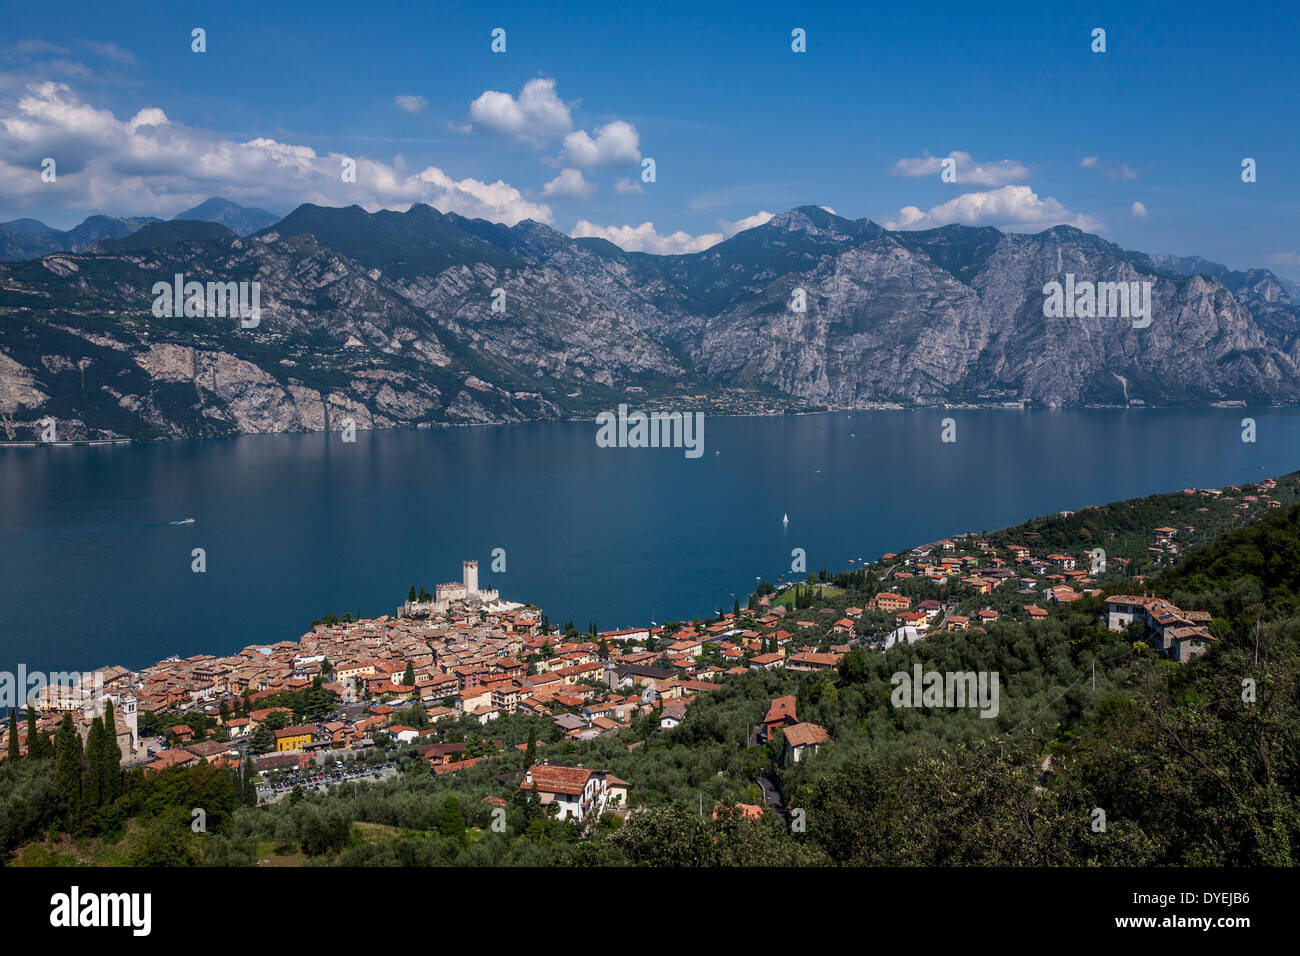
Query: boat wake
{"type": "Point", "coordinates": [84, 532]}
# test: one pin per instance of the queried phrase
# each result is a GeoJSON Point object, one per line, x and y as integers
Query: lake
{"type": "Point", "coordinates": [92, 572]}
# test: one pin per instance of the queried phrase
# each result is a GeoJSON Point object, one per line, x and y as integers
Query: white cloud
{"type": "Point", "coordinates": [1016, 208]}
{"type": "Point", "coordinates": [570, 184]}
{"type": "Point", "coordinates": [152, 165]}
{"type": "Point", "coordinates": [627, 187]}
{"type": "Point", "coordinates": [729, 229]}
{"type": "Point", "coordinates": [536, 118]}
{"type": "Point", "coordinates": [410, 103]}
{"type": "Point", "coordinates": [645, 238]}
{"type": "Point", "coordinates": [40, 46]}
{"type": "Point", "coordinates": [1138, 211]}
{"type": "Point", "coordinates": [110, 51]}
{"type": "Point", "coordinates": [969, 172]}
{"type": "Point", "coordinates": [1109, 170]}
{"type": "Point", "coordinates": [149, 116]}
{"type": "Point", "coordinates": [615, 144]}
{"type": "Point", "coordinates": [69, 68]}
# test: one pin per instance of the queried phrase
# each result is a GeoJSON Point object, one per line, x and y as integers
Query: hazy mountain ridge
{"type": "Point", "coordinates": [25, 239]}
{"type": "Point", "coordinates": [387, 318]}
{"type": "Point", "coordinates": [241, 220]}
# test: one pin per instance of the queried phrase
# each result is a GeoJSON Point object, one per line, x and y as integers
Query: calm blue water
{"type": "Point", "coordinates": [295, 526]}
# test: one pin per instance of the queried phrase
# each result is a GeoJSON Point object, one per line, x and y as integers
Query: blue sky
{"type": "Point", "coordinates": [738, 124]}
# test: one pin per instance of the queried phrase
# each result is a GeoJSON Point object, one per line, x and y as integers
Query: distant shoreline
{"type": "Point", "coordinates": [652, 405]}
{"type": "Point", "coordinates": [72, 442]}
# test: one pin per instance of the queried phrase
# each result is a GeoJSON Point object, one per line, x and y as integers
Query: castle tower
{"type": "Point", "coordinates": [471, 578]}
{"type": "Point", "coordinates": [132, 706]}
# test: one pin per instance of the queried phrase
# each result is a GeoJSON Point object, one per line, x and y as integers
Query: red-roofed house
{"type": "Point", "coordinates": [780, 714]}
{"type": "Point", "coordinates": [579, 792]}
{"type": "Point", "coordinates": [804, 739]}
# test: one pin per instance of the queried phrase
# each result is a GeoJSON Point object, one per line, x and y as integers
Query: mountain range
{"type": "Point", "coordinates": [425, 317]}
{"type": "Point", "coordinates": [23, 239]}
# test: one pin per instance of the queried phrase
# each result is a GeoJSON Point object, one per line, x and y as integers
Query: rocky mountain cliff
{"type": "Point", "coordinates": [423, 317]}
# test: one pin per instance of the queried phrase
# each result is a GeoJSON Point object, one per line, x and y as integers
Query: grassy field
{"type": "Point", "coordinates": [786, 598]}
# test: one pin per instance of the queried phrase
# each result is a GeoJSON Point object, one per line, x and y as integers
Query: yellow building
{"type": "Point", "coordinates": [293, 738]}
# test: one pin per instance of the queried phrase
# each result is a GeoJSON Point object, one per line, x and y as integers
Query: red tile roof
{"type": "Point", "coordinates": [550, 778]}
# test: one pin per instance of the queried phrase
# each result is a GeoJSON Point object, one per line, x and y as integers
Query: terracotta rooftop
{"type": "Point", "coordinates": [550, 778]}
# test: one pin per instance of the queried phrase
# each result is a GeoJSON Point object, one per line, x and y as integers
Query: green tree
{"type": "Point", "coordinates": [248, 784]}
{"type": "Point", "coordinates": [67, 772]}
{"type": "Point", "coordinates": [92, 790]}
{"type": "Point", "coordinates": [408, 675]}
{"type": "Point", "coordinates": [109, 760]}
{"type": "Point", "coordinates": [38, 745]}
{"type": "Point", "coordinates": [854, 667]}
{"type": "Point", "coordinates": [323, 829]}
{"type": "Point", "coordinates": [665, 836]}
{"type": "Point", "coordinates": [13, 734]}
{"type": "Point", "coordinates": [262, 739]}
{"type": "Point", "coordinates": [166, 842]}
{"type": "Point", "coordinates": [451, 823]}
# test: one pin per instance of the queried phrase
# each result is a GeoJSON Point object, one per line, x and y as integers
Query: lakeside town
{"type": "Point", "coordinates": [344, 700]}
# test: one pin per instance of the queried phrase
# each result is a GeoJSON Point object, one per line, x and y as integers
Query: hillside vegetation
{"type": "Point", "coordinates": [1100, 753]}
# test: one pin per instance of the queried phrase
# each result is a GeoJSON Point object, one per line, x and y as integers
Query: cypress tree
{"type": "Point", "coordinates": [67, 772]}
{"type": "Point", "coordinates": [94, 784]}
{"type": "Point", "coordinates": [13, 734]}
{"type": "Point", "coordinates": [109, 760]}
{"type": "Point", "coordinates": [249, 784]}
{"type": "Point", "coordinates": [38, 745]}
{"type": "Point", "coordinates": [452, 821]}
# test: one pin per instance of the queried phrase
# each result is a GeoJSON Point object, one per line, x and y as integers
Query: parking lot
{"type": "Point", "coordinates": [320, 779]}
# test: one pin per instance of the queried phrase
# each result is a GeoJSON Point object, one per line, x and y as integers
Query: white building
{"type": "Point", "coordinates": [579, 792]}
